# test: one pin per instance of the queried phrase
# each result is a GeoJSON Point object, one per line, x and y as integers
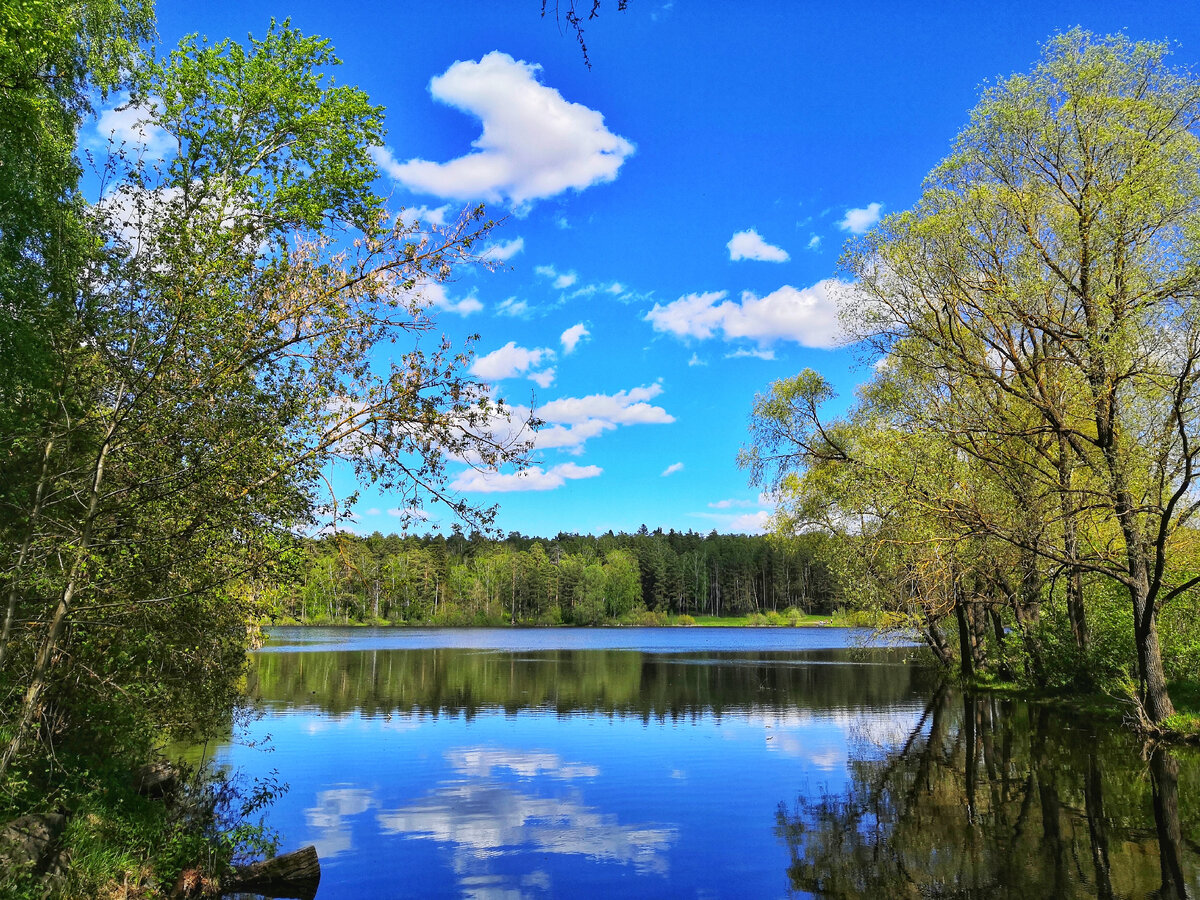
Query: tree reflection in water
{"type": "Point", "coordinates": [1000, 799]}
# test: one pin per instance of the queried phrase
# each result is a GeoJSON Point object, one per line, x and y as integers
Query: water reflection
{"type": "Point", "coordinates": [626, 682]}
{"type": "Point", "coordinates": [537, 772]}
{"type": "Point", "coordinates": [481, 820]}
{"type": "Point", "coordinates": [328, 818]}
{"type": "Point", "coordinates": [993, 798]}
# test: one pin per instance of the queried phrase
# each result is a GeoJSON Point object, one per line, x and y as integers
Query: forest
{"type": "Point", "coordinates": [645, 577]}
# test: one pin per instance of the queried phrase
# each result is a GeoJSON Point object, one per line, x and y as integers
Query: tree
{"type": "Point", "coordinates": [1041, 302]}
{"type": "Point", "coordinates": [231, 342]}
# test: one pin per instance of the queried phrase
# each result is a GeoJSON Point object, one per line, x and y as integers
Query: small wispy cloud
{"type": "Point", "coordinates": [749, 244]}
{"type": "Point", "coordinates": [572, 336]}
{"type": "Point", "coordinates": [753, 353]}
{"type": "Point", "coordinates": [672, 469]}
{"type": "Point", "coordinates": [860, 220]}
{"type": "Point", "coordinates": [502, 252]}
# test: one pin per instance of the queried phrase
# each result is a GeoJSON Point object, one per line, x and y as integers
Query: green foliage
{"type": "Point", "coordinates": [1028, 437]}
{"type": "Point", "coordinates": [179, 361]}
{"type": "Point", "coordinates": [570, 579]}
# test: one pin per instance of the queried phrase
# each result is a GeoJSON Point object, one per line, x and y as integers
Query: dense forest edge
{"type": "Point", "coordinates": [184, 354]}
{"type": "Point", "coordinates": [644, 578]}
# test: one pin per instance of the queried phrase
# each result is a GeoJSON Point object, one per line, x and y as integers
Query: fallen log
{"type": "Point", "coordinates": [292, 875]}
{"type": "Point", "coordinates": [156, 779]}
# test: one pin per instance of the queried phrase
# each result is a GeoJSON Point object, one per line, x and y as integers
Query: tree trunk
{"type": "Point", "coordinates": [1156, 702]}
{"type": "Point", "coordinates": [966, 654]}
{"type": "Point", "coordinates": [1075, 610]}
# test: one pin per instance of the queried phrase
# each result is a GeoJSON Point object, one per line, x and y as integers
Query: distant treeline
{"type": "Point", "coordinates": [570, 579]}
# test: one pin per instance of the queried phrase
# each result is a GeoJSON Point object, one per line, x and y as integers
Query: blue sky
{"type": "Point", "coordinates": [675, 213]}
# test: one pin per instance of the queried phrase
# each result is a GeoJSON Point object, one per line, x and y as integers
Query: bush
{"type": "Point", "coordinates": [550, 618]}
{"type": "Point", "coordinates": [644, 618]}
{"type": "Point", "coordinates": [1057, 664]}
{"type": "Point", "coordinates": [685, 619]}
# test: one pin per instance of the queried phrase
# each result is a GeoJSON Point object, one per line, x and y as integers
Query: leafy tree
{"type": "Point", "coordinates": [230, 344]}
{"type": "Point", "coordinates": [1039, 310]}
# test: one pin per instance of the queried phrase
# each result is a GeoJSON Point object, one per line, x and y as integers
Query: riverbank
{"type": "Point", "coordinates": [789, 618]}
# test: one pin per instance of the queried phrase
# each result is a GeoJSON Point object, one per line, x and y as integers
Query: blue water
{"type": "Point", "coordinates": [513, 763]}
{"type": "Point", "coordinates": [284, 639]}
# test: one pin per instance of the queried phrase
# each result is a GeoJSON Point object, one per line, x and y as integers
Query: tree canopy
{"type": "Point", "coordinates": [1031, 428]}
{"type": "Point", "coordinates": [193, 351]}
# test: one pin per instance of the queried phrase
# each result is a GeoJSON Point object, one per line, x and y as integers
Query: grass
{"type": "Point", "coordinates": [803, 620]}
{"type": "Point", "coordinates": [1186, 721]}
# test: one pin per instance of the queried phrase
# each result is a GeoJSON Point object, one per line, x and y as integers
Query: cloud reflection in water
{"type": "Point", "coordinates": [492, 808]}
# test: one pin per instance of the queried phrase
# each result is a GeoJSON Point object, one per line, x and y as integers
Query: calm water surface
{"type": "Point", "coordinates": [682, 762]}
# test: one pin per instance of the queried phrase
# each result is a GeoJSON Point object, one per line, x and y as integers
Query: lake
{"type": "Point", "coordinates": [695, 762]}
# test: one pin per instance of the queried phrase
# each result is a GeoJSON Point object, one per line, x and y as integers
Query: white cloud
{"type": "Point", "coordinates": [513, 307]}
{"type": "Point", "coordinates": [807, 316]}
{"type": "Point", "coordinates": [426, 215]}
{"type": "Point", "coordinates": [622, 408]}
{"type": "Point", "coordinates": [570, 437]}
{"type": "Point", "coordinates": [572, 336]}
{"type": "Point", "coordinates": [532, 479]}
{"type": "Point", "coordinates": [732, 504]}
{"type": "Point", "coordinates": [750, 523]}
{"type": "Point", "coordinates": [672, 469]}
{"type": "Point", "coordinates": [543, 379]}
{"type": "Point", "coordinates": [408, 512]}
{"type": "Point", "coordinates": [435, 294]}
{"type": "Point", "coordinates": [570, 422]}
{"type": "Point", "coordinates": [814, 242]}
{"type": "Point", "coordinates": [734, 522]}
{"type": "Point", "coordinates": [134, 126]}
{"type": "Point", "coordinates": [750, 245]}
{"type": "Point", "coordinates": [696, 360]}
{"type": "Point", "coordinates": [756, 354]}
{"type": "Point", "coordinates": [502, 252]}
{"type": "Point", "coordinates": [511, 360]}
{"type": "Point", "coordinates": [859, 221]}
{"type": "Point", "coordinates": [562, 280]}
{"type": "Point", "coordinates": [534, 143]}
{"type": "Point", "coordinates": [693, 315]}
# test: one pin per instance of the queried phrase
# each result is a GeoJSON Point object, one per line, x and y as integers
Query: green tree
{"type": "Point", "coordinates": [227, 351]}
{"type": "Point", "coordinates": [1039, 309]}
